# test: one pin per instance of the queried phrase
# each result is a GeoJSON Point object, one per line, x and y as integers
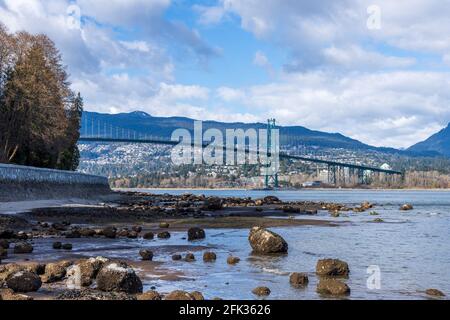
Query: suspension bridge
{"type": "Point", "coordinates": [339, 173]}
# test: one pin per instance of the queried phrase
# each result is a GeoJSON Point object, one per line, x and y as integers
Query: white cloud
{"type": "Point", "coordinates": [229, 94]}
{"type": "Point", "coordinates": [209, 15]}
{"type": "Point", "coordinates": [384, 109]}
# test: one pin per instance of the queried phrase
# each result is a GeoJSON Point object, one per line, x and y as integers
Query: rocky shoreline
{"type": "Point", "coordinates": [39, 258]}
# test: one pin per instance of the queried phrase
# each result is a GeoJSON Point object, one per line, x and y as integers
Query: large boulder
{"type": "Point", "coordinates": [24, 281]}
{"type": "Point", "coordinates": [118, 276]}
{"type": "Point", "coordinates": [196, 234]}
{"type": "Point", "coordinates": [84, 273]}
{"type": "Point", "coordinates": [56, 271]}
{"type": "Point", "coordinates": [329, 286]}
{"type": "Point", "coordinates": [23, 247]}
{"type": "Point", "coordinates": [332, 267]}
{"type": "Point", "coordinates": [266, 242]}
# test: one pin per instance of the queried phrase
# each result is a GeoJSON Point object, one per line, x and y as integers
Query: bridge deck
{"type": "Point", "coordinates": [282, 155]}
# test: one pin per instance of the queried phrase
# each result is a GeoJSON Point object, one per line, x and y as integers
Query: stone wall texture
{"type": "Point", "coordinates": [28, 183]}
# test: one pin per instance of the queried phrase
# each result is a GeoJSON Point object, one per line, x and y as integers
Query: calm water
{"type": "Point", "coordinates": [411, 248]}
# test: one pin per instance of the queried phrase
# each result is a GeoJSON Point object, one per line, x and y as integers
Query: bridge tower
{"type": "Point", "coordinates": [270, 180]}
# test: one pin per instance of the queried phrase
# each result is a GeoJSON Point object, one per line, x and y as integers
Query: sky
{"type": "Point", "coordinates": [377, 71]}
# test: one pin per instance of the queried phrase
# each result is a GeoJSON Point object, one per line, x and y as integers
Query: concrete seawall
{"type": "Point", "coordinates": [19, 183]}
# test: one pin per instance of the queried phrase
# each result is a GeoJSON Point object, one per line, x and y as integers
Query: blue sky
{"type": "Point", "coordinates": [339, 66]}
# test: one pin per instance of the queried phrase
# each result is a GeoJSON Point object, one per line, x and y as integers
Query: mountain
{"type": "Point", "coordinates": [438, 142]}
{"type": "Point", "coordinates": [144, 123]}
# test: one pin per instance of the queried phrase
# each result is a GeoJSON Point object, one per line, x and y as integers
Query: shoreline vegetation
{"type": "Point", "coordinates": [28, 239]}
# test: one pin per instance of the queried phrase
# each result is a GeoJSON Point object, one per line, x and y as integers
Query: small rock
{"type": "Point", "coordinates": [118, 276]}
{"type": "Point", "coordinates": [58, 226]}
{"type": "Point", "coordinates": [177, 257]}
{"type": "Point", "coordinates": [67, 246]}
{"type": "Point", "coordinates": [123, 233]}
{"type": "Point", "coordinates": [196, 234]}
{"type": "Point", "coordinates": [109, 232]}
{"type": "Point", "coordinates": [290, 209]}
{"type": "Point", "coordinates": [435, 293]}
{"type": "Point", "coordinates": [4, 244]}
{"type": "Point", "coordinates": [24, 281]}
{"type": "Point", "coordinates": [149, 295]}
{"type": "Point", "coordinates": [233, 260]}
{"type": "Point", "coordinates": [332, 267]}
{"type": "Point", "coordinates": [298, 280]}
{"type": "Point", "coordinates": [90, 295]}
{"type": "Point", "coordinates": [335, 214]}
{"type": "Point", "coordinates": [3, 253]}
{"type": "Point", "coordinates": [6, 234]}
{"type": "Point", "coordinates": [73, 234]}
{"type": "Point", "coordinates": [366, 205]}
{"type": "Point", "coordinates": [149, 236]}
{"type": "Point", "coordinates": [164, 225]}
{"type": "Point", "coordinates": [197, 295]}
{"type": "Point", "coordinates": [164, 235]}
{"type": "Point", "coordinates": [189, 257]}
{"type": "Point", "coordinates": [374, 213]}
{"type": "Point", "coordinates": [23, 247]}
{"type": "Point", "coordinates": [209, 256]}
{"type": "Point", "coordinates": [213, 203]}
{"type": "Point", "coordinates": [179, 295]}
{"type": "Point", "coordinates": [88, 233]}
{"type": "Point", "coordinates": [137, 229]}
{"type": "Point", "coordinates": [332, 287]}
{"type": "Point", "coordinates": [57, 245]}
{"type": "Point", "coordinates": [132, 235]}
{"type": "Point", "coordinates": [261, 291]}
{"type": "Point", "coordinates": [406, 207]}
{"type": "Point", "coordinates": [10, 295]}
{"type": "Point", "coordinates": [271, 199]}
{"type": "Point", "coordinates": [259, 202]}
{"type": "Point", "coordinates": [146, 255]}
{"type": "Point", "coordinates": [266, 242]}
{"type": "Point", "coordinates": [378, 220]}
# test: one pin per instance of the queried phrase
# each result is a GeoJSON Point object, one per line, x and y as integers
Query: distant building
{"type": "Point", "coordinates": [312, 184]}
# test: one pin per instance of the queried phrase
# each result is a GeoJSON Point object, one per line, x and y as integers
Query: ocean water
{"type": "Point", "coordinates": [411, 249]}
